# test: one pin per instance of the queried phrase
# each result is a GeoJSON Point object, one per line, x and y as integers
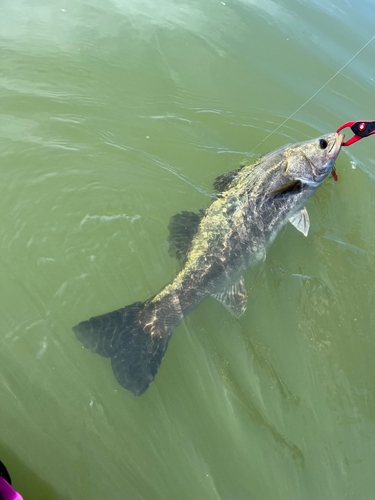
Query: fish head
{"type": "Point", "coordinates": [310, 162]}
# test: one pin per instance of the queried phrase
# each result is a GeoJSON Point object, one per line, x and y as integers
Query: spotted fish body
{"type": "Point", "coordinates": [216, 247]}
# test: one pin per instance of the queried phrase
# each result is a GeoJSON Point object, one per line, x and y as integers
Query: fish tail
{"type": "Point", "coordinates": [135, 337]}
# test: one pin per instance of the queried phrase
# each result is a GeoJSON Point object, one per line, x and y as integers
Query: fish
{"type": "Point", "coordinates": [215, 247]}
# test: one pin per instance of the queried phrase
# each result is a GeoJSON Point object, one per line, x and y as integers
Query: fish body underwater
{"type": "Point", "coordinates": [216, 246]}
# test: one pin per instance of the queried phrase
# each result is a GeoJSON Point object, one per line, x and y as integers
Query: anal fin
{"type": "Point", "coordinates": [234, 297]}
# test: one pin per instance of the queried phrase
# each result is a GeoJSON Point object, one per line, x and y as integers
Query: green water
{"type": "Point", "coordinates": [114, 116]}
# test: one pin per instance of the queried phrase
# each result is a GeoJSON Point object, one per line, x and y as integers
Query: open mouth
{"type": "Point", "coordinates": [336, 146]}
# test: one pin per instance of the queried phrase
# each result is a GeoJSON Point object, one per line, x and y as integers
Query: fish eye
{"type": "Point", "coordinates": [323, 143]}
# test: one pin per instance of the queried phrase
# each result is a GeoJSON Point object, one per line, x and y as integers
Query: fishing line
{"type": "Point", "coordinates": [312, 97]}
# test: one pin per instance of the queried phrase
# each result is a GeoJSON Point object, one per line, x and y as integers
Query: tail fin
{"type": "Point", "coordinates": [133, 338]}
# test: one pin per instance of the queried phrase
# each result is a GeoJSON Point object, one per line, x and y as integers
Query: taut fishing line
{"type": "Point", "coordinates": [312, 97]}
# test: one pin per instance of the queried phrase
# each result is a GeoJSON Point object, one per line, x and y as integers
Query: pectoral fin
{"type": "Point", "coordinates": [234, 297]}
{"type": "Point", "coordinates": [301, 221]}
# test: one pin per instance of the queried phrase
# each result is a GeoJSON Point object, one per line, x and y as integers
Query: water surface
{"type": "Point", "coordinates": [114, 116]}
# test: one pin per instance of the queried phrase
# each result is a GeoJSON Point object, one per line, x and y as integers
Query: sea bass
{"type": "Point", "coordinates": [216, 247]}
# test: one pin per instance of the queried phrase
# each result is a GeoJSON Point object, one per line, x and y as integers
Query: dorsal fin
{"type": "Point", "coordinates": [182, 229]}
{"type": "Point", "coordinates": [223, 182]}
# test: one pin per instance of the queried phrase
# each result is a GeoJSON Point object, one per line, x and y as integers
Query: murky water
{"type": "Point", "coordinates": [114, 116]}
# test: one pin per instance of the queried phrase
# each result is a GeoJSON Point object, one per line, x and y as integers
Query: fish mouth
{"type": "Point", "coordinates": [336, 146]}
{"type": "Point", "coordinates": [332, 154]}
